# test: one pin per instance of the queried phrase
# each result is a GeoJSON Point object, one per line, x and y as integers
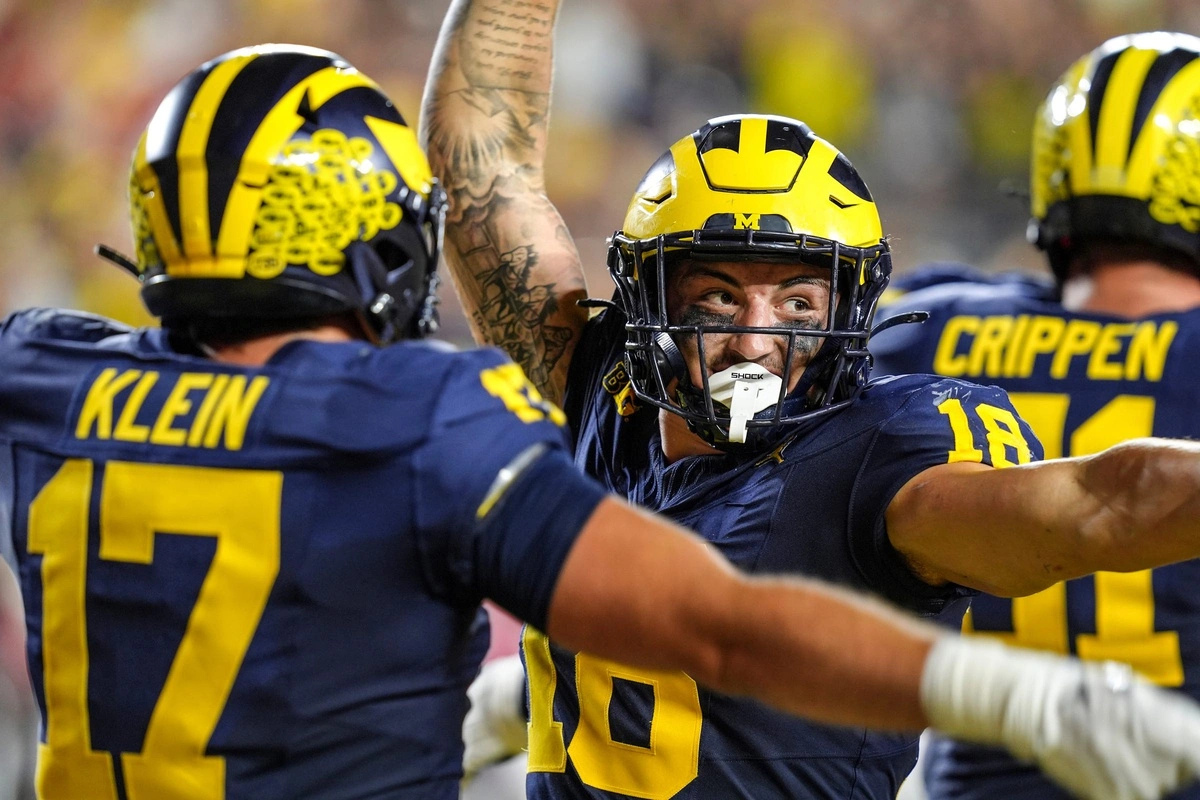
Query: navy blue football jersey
{"type": "Point", "coordinates": [265, 582]}
{"type": "Point", "coordinates": [1084, 382]}
{"type": "Point", "coordinates": [812, 505]}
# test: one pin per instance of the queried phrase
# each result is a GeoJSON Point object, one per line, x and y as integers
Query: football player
{"type": "Point", "coordinates": [725, 386]}
{"type": "Point", "coordinates": [1103, 353]}
{"type": "Point", "coordinates": [252, 543]}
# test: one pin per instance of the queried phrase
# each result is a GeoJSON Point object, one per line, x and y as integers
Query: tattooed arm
{"type": "Point", "coordinates": [483, 123]}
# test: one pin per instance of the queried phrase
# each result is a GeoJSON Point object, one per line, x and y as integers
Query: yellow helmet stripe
{"type": "Point", "coordinates": [1150, 142]}
{"type": "Point", "coordinates": [156, 210]}
{"type": "Point", "coordinates": [279, 125]}
{"type": "Point", "coordinates": [752, 164]}
{"type": "Point", "coordinates": [1079, 129]}
{"type": "Point", "coordinates": [820, 159]}
{"type": "Point", "coordinates": [752, 143]}
{"type": "Point", "coordinates": [190, 156]}
{"type": "Point", "coordinates": [753, 138]}
{"type": "Point", "coordinates": [402, 148]}
{"type": "Point", "coordinates": [1116, 118]}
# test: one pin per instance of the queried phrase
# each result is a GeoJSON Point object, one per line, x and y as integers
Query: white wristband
{"type": "Point", "coordinates": [968, 690]}
{"type": "Point", "coordinates": [1094, 728]}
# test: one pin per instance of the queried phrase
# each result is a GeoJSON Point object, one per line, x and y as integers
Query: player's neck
{"type": "Point", "coordinates": [679, 442]}
{"type": "Point", "coordinates": [258, 351]}
{"type": "Point", "coordinates": [1132, 289]}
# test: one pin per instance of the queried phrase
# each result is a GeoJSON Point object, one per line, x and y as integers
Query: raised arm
{"type": "Point", "coordinates": [483, 123]}
{"type": "Point", "coordinates": [1016, 531]}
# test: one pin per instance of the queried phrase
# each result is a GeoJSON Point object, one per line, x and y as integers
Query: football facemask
{"type": "Point", "coordinates": [754, 189]}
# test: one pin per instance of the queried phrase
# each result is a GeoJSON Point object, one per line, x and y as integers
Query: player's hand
{"type": "Point", "coordinates": [1110, 734]}
{"type": "Point", "coordinates": [1095, 728]}
{"type": "Point", "coordinates": [495, 727]}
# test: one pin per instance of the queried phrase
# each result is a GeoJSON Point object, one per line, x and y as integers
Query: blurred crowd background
{"type": "Point", "coordinates": [931, 99]}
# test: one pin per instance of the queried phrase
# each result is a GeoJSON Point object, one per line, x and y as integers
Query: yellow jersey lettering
{"type": "Point", "coordinates": [178, 404]}
{"type": "Point", "coordinates": [204, 414]}
{"type": "Point", "coordinates": [947, 360]}
{"type": "Point", "coordinates": [1125, 629]}
{"type": "Point", "coordinates": [220, 407]}
{"type": "Point", "coordinates": [1044, 336]}
{"type": "Point", "coordinates": [1148, 350]}
{"type": "Point", "coordinates": [547, 749]}
{"type": "Point", "coordinates": [508, 383]}
{"type": "Point", "coordinates": [240, 510]}
{"type": "Point", "coordinates": [1044, 412]}
{"type": "Point", "coordinates": [1032, 621]}
{"type": "Point", "coordinates": [1016, 344]}
{"type": "Point", "coordinates": [658, 772]}
{"type": "Point", "coordinates": [964, 443]}
{"type": "Point", "coordinates": [97, 409]}
{"type": "Point", "coordinates": [127, 429]}
{"type": "Point", "coordinates": [1003, 432]}
{"type": "Point", "coordinates": [1009, 347]}
{"type": "Point", "coordinates": [1077, 340]}
{"type": "Point", "coordinates": [232, 414]}
{"type": "Point", "coordinates": [988, 350]}
{"type": "Point", "coordinates": [1111, 340]}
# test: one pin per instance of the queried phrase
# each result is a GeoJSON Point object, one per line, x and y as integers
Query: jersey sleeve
{"type": "Point", "coordinates": [499, 501]}
{"type": "Point", "coordinates": [941, 422]}
{"type": "Point", "coordinates": [54, 323]}
{"type": "Point", "coordinates": [597, 372]}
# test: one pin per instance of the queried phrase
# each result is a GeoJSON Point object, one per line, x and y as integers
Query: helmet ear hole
{"type": "Point", "coordinates": [391, 286]}
{"type": "Point", "coordinates": [369, 275]}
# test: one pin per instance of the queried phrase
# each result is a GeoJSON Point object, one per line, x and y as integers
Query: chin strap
{"type": "Point", "coordinates": [592, 302]}
{"type": "Point", "coordinates": [900, 319]}
{"type": "Point", "coordinates": [120, 259]}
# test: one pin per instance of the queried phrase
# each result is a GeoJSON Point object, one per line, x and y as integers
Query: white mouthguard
{"type": "Point", "coordinates": [745, 389]}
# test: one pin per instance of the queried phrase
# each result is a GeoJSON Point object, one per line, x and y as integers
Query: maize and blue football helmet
{"type": "Point", "coordinates": [279, 182]}
{"type": "Point", "coordinates": [1116, 150]}
{"type": "Point", "coordinates": [757, 189]}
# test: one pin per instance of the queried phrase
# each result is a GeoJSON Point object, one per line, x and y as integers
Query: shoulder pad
{"type": "Point", "coordinates": [54, 323]}
{"type": "Point", "coordinates": [947, 275]}
{"type": "Point", "coordinates": [936, 273]}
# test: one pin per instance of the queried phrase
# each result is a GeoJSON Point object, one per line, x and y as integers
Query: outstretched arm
{"type": "Point", "coordinates": [483, 123]}
{"type": "Point", "coordinates": [636, 589]}
{"type": "Point", "coordinates": [1016, 531]}
{"type": "Point", "coordinates": [738, 635]}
